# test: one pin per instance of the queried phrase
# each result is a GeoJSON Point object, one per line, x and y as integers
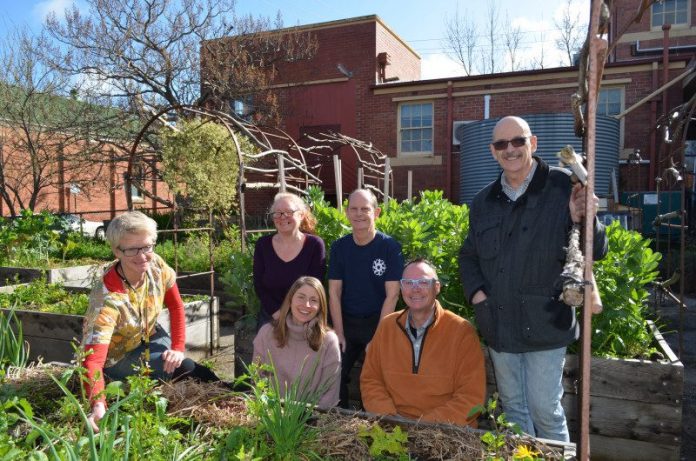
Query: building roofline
{"type": "Point", "coordinates": [520, 73]}
{"type": "Point", "coordinates": [340, 23]}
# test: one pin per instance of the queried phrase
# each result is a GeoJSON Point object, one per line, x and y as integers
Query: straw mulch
{"type": "Point", "coordinates": [339, 440]}
{"type": "Point", "coordinates": [35, 380]}
{"type": "Point", "coordinates": [207, 403]}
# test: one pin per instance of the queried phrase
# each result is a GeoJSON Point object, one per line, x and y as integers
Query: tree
{"type": "Point", "coordinates": [461, 40]}
{"type": "Point", "coordinates": [48, 135]}
{"type": "Point", "coordinates": [488, 55]}
{"type": "Point", "coordinates": [201, 163]}
{"type": "Point", "coordinates": [512, 38]}
{"type": "Point", "coordinates": [150, 52]}
{"type": "Point", "coordinates": [538, 61]}
{"type": "Point", "coordinates": [572, 32]}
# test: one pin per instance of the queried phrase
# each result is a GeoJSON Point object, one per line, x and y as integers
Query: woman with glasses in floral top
{"type": "Point", "coordinates": [120, 330]}
{"type": "Point", "coordinates": [291, 252]}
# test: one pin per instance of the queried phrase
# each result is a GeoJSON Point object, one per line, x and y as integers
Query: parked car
{"type": "Point", "coordinates": [73, 222]}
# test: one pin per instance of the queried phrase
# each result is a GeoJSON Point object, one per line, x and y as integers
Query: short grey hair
{"type": "Point", "coordinates": [371, 197]}
{"type": "Point", "coordinates": [130, 222]}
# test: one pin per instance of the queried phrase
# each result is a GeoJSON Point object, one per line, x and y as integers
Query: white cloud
{"type": "Point", "coordinates": [42, 9]}
{"type": "Point", "coordinates": [438, 65]}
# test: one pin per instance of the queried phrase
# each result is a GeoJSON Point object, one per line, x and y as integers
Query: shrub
{"type": "Point", "coordinates": [622, 277]}
{"type": "Point", "coordinates": [200, 162]}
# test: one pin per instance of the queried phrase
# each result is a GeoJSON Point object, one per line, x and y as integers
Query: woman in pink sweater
{"type": "Point", "coordinates": [301, 345]}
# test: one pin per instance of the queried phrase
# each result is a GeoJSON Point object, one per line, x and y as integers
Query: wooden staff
{"type": "Point", "coordinates": [572, 275]}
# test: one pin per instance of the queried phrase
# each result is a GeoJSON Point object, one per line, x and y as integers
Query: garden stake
{"type": "Point", "coordinates": [597, 52]}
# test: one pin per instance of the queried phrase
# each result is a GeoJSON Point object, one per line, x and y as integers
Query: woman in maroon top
{"type": "Point", "coordinates": [281, 258]}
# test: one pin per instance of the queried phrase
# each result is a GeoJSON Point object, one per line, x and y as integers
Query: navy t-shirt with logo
{"type": "Point", "coordinates": [363, 270]}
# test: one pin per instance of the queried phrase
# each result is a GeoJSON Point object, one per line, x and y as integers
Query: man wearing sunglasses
{"type": "Point", "coordinates": [424, 362]}
{"type": "Point", "coordinates": [510, 265]}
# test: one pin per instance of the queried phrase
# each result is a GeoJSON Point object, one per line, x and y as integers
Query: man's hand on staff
{"type": "Point", "coordinates": [577, 203]}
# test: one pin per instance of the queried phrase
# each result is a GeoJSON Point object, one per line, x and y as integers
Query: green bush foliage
{"type": "Point", "coordinates": [200, 162]}
{"type": "Point", "coordinates": [37, 240]}
{"type": "Point", "coordinates": [622, 276]}
{"type": "Point", "coordinates": [431, 228]}
{"type": "Point", "coordinates": [45, 297]}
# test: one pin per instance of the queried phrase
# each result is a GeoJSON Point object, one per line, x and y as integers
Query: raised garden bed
{"type": "Point", "coordinates": [72, 276]}
{"type": "Point", "coordinates": [51, 336]}
{"type": "Point", "coordinates": [635, 405]}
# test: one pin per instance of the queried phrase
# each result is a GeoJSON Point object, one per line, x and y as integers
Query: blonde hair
{"type": "Point", "coordinates": [315, 338]}
{"type": "Point", "coordinates": [130, 222]}
{"type": "Point", "coordinates": [309, 222]}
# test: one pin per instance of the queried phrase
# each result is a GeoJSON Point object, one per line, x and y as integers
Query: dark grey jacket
{"type": "Point", "coordinates": [515, 253]}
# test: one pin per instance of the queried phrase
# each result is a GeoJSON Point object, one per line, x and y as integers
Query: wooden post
{"type": "Point", "coordinates": [338, 175]}
{"type": "Point", "coordinates": [361, 177]}
{"type": "Point", "coordinates": [387, 170]}
{"type": "Point", "coordinates": [281, 172]}
{"type": "Point", "coordinates": [409, 186]}
{"type": "Point", "coordinates": [597, 53]}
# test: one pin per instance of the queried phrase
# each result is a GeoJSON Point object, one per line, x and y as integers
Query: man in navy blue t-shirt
{"type": "Point", "coordinates": [364, 271]}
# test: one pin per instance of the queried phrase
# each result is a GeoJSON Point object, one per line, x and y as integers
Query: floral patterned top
{"type": "Point", "coordinates": [119, 315]}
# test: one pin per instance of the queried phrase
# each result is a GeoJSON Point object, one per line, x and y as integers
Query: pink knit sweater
{"type": "Point", "coordinates": [298, 359]}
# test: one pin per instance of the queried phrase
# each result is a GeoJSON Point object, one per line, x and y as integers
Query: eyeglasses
{"type": "Point", "coordinates": [516, 142]}
{"type": "Point", "coordinates": [417, 283]}
{"type": "Point", "coordinates": [134, 251]}
{"type": "Point", "coordinates": [282, 214]}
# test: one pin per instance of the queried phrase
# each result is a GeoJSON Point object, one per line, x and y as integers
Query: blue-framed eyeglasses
{"type": "Point", "coordinates": [417, 283]}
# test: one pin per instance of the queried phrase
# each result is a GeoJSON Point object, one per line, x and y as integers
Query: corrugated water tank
{"type": "Point", "coordinates": [553, 131]}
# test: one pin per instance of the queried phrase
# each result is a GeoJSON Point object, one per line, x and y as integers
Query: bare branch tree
{"type": "Point", "coordinates": [572, 33]}
{"type": "Point", "coordinates": [488, 55]}
{"type": "Point", "coordinates": [154, 49]}
{"type": "Point", "coordinates": [461, 40]}
{"type": "Point", "coordinates": [538, 61]}
{"type": "Point", "coordinates": [47, 132]}
{"type": "Point", "coordinates": [512, 38]}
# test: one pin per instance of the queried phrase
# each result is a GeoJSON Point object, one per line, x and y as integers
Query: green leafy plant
{"type": "Point", "coordinates": [45, 297]}
{"type": "Point", "coordinates": [384, 444]}
{"type": "Point", "coordinates": [623, 276]}
{"type": "Point", "coordinates": [432, 228]}
{"type": "Point", "coordinates": [501, 429]}
{"type": "Point", "coordinates": [13, 349]}
{"type": "Point", "coordinates": [284, 416]}
{"type": "Point", "coordinates": [200, 162]}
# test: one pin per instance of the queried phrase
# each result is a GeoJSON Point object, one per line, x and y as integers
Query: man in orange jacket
{"type": "Point", "coordinates": [424, 362]}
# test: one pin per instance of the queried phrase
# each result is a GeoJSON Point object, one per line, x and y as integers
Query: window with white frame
{"type": "Point", "coordinates": [416, 128]}
{"type": "Point", "coordinates": [674, 12]}
{"type": "Point", "coordinates": [610, 101]}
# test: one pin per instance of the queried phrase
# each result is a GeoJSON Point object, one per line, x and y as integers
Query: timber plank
{"type": "Point", "coordinates": [613, 449]}
{"type": "Point", "coordinates": [629, 420]}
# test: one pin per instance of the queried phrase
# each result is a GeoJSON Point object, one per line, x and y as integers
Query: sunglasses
{"type": "Point", "coordinates": [516, 142]}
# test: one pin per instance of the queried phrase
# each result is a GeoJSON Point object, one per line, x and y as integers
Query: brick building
{"type": "Point", "coordinates": [364, 81]}
{"type": "Point", "coordinates": [97, 194]}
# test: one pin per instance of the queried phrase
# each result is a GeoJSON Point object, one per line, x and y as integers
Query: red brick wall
{"type": "Point", "coordinates": [623, 11]}
{"type": "Point", "coordinates": [94, 198]}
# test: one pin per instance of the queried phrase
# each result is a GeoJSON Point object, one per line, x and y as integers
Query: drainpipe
{"type": "Point", "coordinates": [449, 152]}
{"type": "Point", "coordinates": [487, 106]}
{"type": "Point", "coordinates": [665, 78]}
{"type": "Point", "coordinates": [653, 134]}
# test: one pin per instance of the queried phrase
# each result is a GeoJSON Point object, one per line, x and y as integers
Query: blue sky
{"type": "Point", "coordinates": [421, 25]}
